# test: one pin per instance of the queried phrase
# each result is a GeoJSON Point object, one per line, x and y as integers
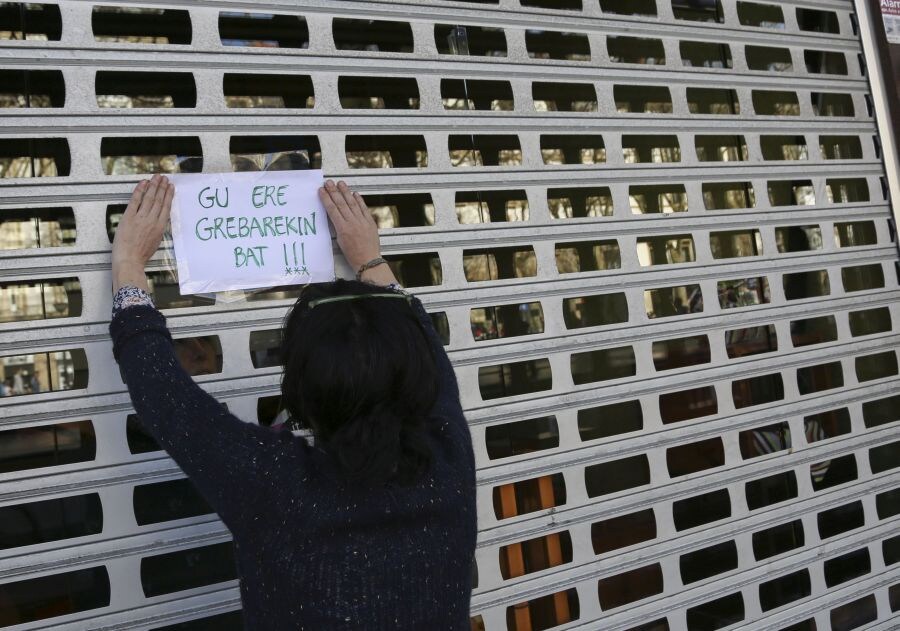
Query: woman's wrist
{"type": "Point", "coordinates": [379, 275]}
{"type": "Point", "coordinates": [128, 274]}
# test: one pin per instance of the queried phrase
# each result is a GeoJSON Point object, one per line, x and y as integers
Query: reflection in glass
{"type": "Point", "coordinates": [705, 54]}
{"type": "Point", "coordinates": [802, 285]}
{"type": "Point", "coordinates": [610, 420]}
{"type": "Point", "coordinates": [121, 155]}
{"type": "Point", "coordinates": [140, 25]}
{"type": "Point", "coordinates": [30, 21]}
{"type": "Point", "coordinates": [43, 372]}
{"type": "Point", "coordinates": [825, 425]}
{"type": "Point", "coordinates": [831, 104]}
{"type": "Point", "coordinates": [743, 292]}
{"type": "Point", "coordinates": [751, 341]}
{"type": "Point", "coordinates": [402, 210]}
{"type": "Point", "coordinates": [670, 249]}
{"type": "Point", "coordinates": [491, 206]}
{"type": "Point", "coordinates": [713, 101]}
{"type": "Point", "coordinates": [263, 90]}
{"type": "Point", "coordinates": [670, 301]}
{"type": "Point", "coordinates": [34, 157]}
{"type": "Point", "coordinates": [791, 193]}
{"type": "Point", "coordinates": [534, 555]}
{"type": "Point", "coordinates": [595, 310]}
{"type": "Point", "coordinates": [47, 446]}
{"type": "Point", "coordinates": [784, 147]}
{"type": "Point", "coordinates": [775, 103]}
{"type": "Point", "coordinates": [760, 15]}
{"type": "Point", "coordinates": [560, 45]}
{"type": "Point", "coordinates": [830, 473]}
{"type": "Point", "coordinates": [566, 203]}
{"type": "Point", "coordinates": [661, 198]}
{"type": "Point", "coordinates": [372, 35]}
{"type": "Point", "coordinates": [44, 521]}
{"type": "Point", "coordinates": [735, 244]}
{"type": "Point", "coordinates": [602, 365]}
{"type": "Point", "coordinates": [757, 390]}
{"type": "Point", "coordinates": [767, 58]}
{"type": "Point", "coordinates": [36, 228]}
{"type": "Point", "coordinates": [862, 277]}
{"type": "Point", "coordinates": [40, 300]}
{"type": "Point", "coordinates": [636, 50]}
{"type": "Point", "coordinates": [379, 93]}
{"type": "Point", "coordinates": [721, 148]}
{"type": "Point", "coordinates": [728, 195]}
{"type": "Point", "coordinates": [617, 475]}
{"type": "Point", "coordinates": [580, 149]}
{"type": "Point", "coordinates": [514, 378]}
{"type": "Point", "coordinates": [681, 352]}
{"type": "Point", "coordinates": [483, 41]}
{"type": "Point", "coordinates": [491, 323]}
{"type": "Point", "coordinates": [564, 97]}
{"type": "Point", "coordinates": [642, 99]}
{"type": "Point", "coordinates": [386, 152]}
{"type": "Point", "coordinates": [852, 234]}
{"type": "Point", "coordinates": [263, 30]}
{"type": "Point", "coordinates": [274, 153]}
{"type": "Point", "coordinates": [825, 62]}
{"type": "Point", "coordinates": [521, 437]}
{"type": "Point", "coordinates": [145, 89]}
{"type": "Point", "coordinates": [477, 94]}
{"type": "Point", "coordinates": [419, 269]}
{"type": "Point", "coordinates": [587, 256]}
{"type": "Point", "coordinates": [528, 496]}
{"type": "Point", "coordinates": [841, 147]}
{"type": "Point", "coordinates": [762, 441]}
{"type": "Point", "coordinates": [265, 348]}
{"type": "Point", "coordinates": [847, 190]}
{"type": "Point", "coordinates": [647, 149]}
{"type": "Point", "coordinates": [484, 150]}
{"type": "Point", "coordinates": [704, 11]}
{"type": "Point", "coordinates": [798, 238]}
{"type": "Point", "coordinates": [543, 612]}
{"type": "Point", "coordinates": [499, 263]}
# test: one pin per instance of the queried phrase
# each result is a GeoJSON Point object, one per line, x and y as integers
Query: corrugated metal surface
{"type": "Point", "coordinates": [728, 284]}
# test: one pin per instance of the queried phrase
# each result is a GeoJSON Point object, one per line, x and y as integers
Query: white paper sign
{"type": "Point", "coordinates": [250, 230]}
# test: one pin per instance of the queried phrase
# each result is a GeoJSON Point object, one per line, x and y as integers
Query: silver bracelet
{"type": "Point", "coordinates": [367, 266]}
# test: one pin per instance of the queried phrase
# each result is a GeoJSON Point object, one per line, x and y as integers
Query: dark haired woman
{"type": "Point", "coordinates": [373, 526]}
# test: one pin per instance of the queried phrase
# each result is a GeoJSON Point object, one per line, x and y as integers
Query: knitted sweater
{"type": "Point", "coordinates": [313, 553]}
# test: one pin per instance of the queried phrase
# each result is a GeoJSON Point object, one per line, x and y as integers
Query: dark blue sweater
{"type": "Point", "coordinates": [312, 553]}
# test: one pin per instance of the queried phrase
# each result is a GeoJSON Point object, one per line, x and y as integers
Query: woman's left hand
{"type": "Point", "coordinates": [141, 230]}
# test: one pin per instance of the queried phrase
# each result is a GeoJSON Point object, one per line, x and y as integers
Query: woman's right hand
{"type": "Point", "coordinates": [357, 233]}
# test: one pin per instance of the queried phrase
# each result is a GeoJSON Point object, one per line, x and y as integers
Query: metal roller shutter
{"type": "Point", "coordinates": [655, 233]}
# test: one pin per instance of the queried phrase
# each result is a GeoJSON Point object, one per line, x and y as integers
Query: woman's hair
{"type": "Point", "coordinates": [361, 375]}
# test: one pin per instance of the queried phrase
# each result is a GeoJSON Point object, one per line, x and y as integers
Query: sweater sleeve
{"type": "Point", "coordinates": [230, 462]}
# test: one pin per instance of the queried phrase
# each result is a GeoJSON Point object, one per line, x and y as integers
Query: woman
{"type": "Point", "coordinates": [373, 526]}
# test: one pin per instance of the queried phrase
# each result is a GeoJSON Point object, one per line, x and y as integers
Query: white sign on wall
{"type": "Point", "coordinates": [250, 230]}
